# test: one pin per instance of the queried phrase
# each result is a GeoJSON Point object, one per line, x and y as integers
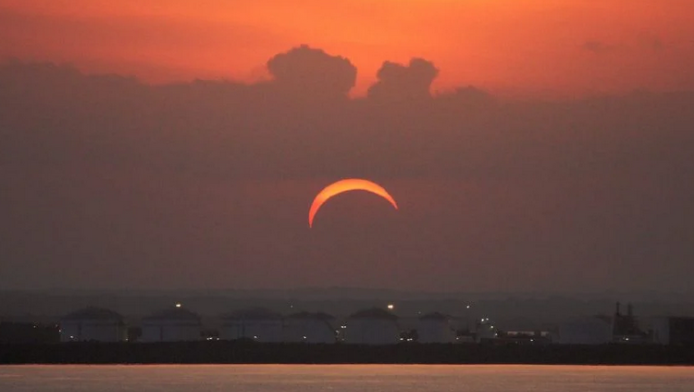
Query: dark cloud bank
{"type": "Point", "coordinates": [108, 182]}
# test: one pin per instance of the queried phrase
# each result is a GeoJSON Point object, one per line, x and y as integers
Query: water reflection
{"type": "Point", "coordinates": [347, 378]}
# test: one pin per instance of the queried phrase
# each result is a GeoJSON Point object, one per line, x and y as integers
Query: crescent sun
{"type": "Point", "coordinates": [352, 184]}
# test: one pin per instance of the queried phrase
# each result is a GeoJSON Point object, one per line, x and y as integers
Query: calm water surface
{"type": "Point", "coordinates": [351, 378]}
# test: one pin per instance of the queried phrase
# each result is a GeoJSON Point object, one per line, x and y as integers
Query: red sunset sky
{"type": "Point", "coordinates": [107, 181]}
{"type": "Point", "coordinates": [527, 47]}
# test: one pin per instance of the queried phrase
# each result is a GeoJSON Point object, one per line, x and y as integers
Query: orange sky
{"type": "Point", "coordinates": [528, 47]}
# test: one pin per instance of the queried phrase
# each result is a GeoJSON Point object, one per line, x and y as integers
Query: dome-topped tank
{"type": "Point", "coordinates": [174, 324]}
{"type": "Point", "coordinates": [436, 327]}
{"type": "Point", "coordinates": [374, 326]}
{"type": "Point", "coordinates": [93, 324]}
{"type": "Point", "coordinates": [258, 324]}
{"type": "Point", "coordinates": [307, 327]}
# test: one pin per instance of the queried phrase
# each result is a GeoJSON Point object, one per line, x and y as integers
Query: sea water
{"type": "Point", "coordinates": [347, 378]}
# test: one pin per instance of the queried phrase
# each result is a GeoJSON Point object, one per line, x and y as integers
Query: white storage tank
{"type": "Point", "coordinates": [435, 328]}
{"type": "Point", "coordinates": [171, 325]}
{"type": "Point", "coordinates": [259, 324]}
{"type": "Point", "coordinates": [373, 326]}
{"type": "Point", "coordinates": [93, 324]}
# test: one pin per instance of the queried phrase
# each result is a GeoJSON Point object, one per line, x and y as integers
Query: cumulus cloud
{"type": "Point", "coordinates": [402, 82]}
{"type": "Point", "coordinates": [305, 70]}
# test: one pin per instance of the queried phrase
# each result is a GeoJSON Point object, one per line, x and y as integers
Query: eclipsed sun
{"type": "Point", "coordinates": [347, 185]}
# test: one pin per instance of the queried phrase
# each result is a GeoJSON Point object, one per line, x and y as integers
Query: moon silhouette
{"type": "Point", "coordinates": [352, 184]}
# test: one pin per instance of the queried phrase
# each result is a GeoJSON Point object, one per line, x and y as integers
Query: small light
{"type": "Point", "coordinates": [304, 337]}
{"type": "Point", "coordinates": [255, 337]}
{"type": "Point", "coordinates": [391, 306]}
{"type": "Point", "coordinates": [467, 307]}
{"type": "Point", "coordinates": [178, 305]}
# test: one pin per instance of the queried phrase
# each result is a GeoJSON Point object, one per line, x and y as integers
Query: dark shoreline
{"type": "Point", "coordinates": [267, 353]}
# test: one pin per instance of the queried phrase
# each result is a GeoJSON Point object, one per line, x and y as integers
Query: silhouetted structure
{"type": "Point", "coordinates": [625, 328]}
{"type": "Point", "coordinates": [171, 325]}
{"type": "Point", "coordinates": [586, 330]}
{"type": "Point", "coordinates": [372, 326]}
{"type": "Point", "coordinates": [674, 331]}
{"type": "Point", "coordinates": [435, 328]}
{"type": "Point", "coordinates": [485, 330]}
{"type": "Point", "coordinates": [93, 324]}
{"type": "Point", "coordinates": [258, 324]}
{"type": "Point", "coordinates": [309, 328]}
{"type": "Point", "coordinates": [533, 338]}
{"type": "Point", "coordinates": [409, 336]}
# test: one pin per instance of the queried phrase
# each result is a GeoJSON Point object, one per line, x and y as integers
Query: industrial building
{"type": "Point", "coordinates": [309, 328]}
{"type": "Point", "coordinates": [171, 325]}
{"type": "Point", "coordinates": [373, 326]}
{"type": "Point", "coordinates": [673, 331]}
{"type": "Point", "coordinates": [257, 324]}
{"type": "Point", "coordinates": [625, 327]}
{"type": "Point", "coordinates": [485, 330]}
{"type": "Point", "coordinates": [93, 324]}
{"type": "Point", "coordinates": [585, 330]}
{"type": "Point", "coordinates": [436, 328]}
